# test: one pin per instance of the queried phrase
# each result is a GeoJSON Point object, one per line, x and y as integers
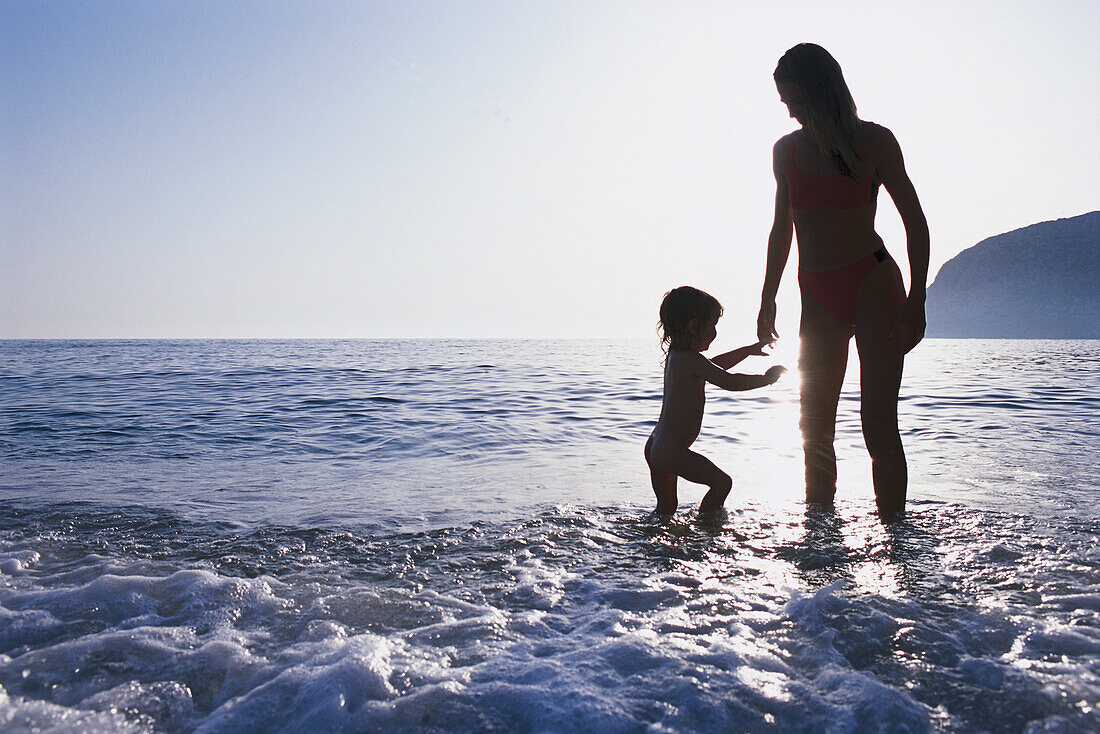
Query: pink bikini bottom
{"type": "Point", "coordinates": [837, 289]}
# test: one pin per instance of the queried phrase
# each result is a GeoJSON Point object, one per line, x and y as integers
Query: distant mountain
{"type": "Point", "coordinates": [1039, 282]}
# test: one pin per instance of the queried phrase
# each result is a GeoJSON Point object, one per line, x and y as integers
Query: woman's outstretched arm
{"type": "Point", "coordinates": [891, 171]}
{"type": "Point", "coordinates": [779, 249]}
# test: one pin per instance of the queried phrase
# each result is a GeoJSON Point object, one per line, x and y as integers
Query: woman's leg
{"type": "Point", "coordinates": [823, 357]}
{"type": "Point", "coordinates": [880, 362]}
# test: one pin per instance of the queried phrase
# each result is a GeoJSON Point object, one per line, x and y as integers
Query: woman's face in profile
{"type": "Point", "coordinates": [790, 96]}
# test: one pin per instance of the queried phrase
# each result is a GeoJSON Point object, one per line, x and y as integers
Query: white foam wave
{"type": "Point", "coordinates": [655, 626]}
{"type": "Point", "coordinates": [19, 715]}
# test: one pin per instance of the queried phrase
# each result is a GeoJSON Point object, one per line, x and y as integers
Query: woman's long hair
{"type": "Point", "coordinates": [830, 110]}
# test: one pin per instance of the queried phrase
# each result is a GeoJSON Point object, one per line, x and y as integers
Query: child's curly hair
{"type": "Point", "coordinates": [683, 311]}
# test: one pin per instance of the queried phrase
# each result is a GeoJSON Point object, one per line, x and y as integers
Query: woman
{"type": "Point", "coordinates": [827, 178]}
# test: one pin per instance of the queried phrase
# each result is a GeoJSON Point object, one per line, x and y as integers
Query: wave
{"type": "Point", "coordinates": [579, 617]}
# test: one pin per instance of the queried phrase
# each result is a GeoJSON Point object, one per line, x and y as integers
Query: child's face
{"type": "Point", "coordinates": [706, 334]}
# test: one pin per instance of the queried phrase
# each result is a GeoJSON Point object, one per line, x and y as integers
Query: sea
{"type": "Point", "coordinates": [458, 536]}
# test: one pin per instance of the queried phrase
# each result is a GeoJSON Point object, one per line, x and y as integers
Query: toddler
{"type": "Point", "coordinates": [688, 320]}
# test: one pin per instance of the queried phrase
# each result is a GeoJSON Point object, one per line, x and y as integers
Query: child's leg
{"type": "Point", "coordinates": [664, 485]}
{"type": "Point", "coordinates": [701, 470]}
{"type": "Point", "coordinates": [694, 468]}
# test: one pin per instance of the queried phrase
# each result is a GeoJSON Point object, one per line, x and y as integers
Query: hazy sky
{"type": "Point", "coordinates": [516, 168]}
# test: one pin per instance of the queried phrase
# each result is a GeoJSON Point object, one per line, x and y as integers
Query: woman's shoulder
{"type": "Point", "coordinates": [876, 136]}
{"type": "Point", "coordinates": [881, 148]}
{"type": "Point", "coordinates": [783, 145]}
{"type": "Point", "coordinates": [789, 138]}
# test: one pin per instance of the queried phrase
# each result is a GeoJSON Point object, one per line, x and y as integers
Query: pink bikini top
{"type": "Point", "coordinates": [837, 191]}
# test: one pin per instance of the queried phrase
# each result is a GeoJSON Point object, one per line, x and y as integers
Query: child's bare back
{"type": "Point", "coordinates": [684, 400]}
{"type": "Point", "coordinates": [688, 320]}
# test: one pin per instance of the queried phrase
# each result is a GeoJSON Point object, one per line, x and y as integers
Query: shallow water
{"type": "Point", "coordinates": [455, 536]}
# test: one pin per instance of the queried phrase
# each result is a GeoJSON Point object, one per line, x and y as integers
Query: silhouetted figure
{"type": "Point", "coordinates": [827, 178]}
{"type": "Point", "coordinates": [688, 320]}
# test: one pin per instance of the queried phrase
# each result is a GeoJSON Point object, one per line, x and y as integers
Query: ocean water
{"type": "Point", "coordinates": [282, 536]}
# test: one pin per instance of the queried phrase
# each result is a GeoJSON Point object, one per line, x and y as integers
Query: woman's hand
{"type": "Point", "coordinates": [909, 330]}
{"type": "Point", "coordinates": [765, 323]}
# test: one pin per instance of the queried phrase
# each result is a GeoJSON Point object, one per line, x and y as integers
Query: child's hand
{"type": "Point", "coordinates": [774, 372]}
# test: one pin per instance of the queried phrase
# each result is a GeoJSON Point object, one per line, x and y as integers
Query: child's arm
{"type": "Point", "coordinates": [729, 359]}
{"type": "Point", "coordinates": [715, 375]}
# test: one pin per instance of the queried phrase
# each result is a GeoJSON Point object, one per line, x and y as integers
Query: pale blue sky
{"type": "Point", "coordinates": [424, 169]}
